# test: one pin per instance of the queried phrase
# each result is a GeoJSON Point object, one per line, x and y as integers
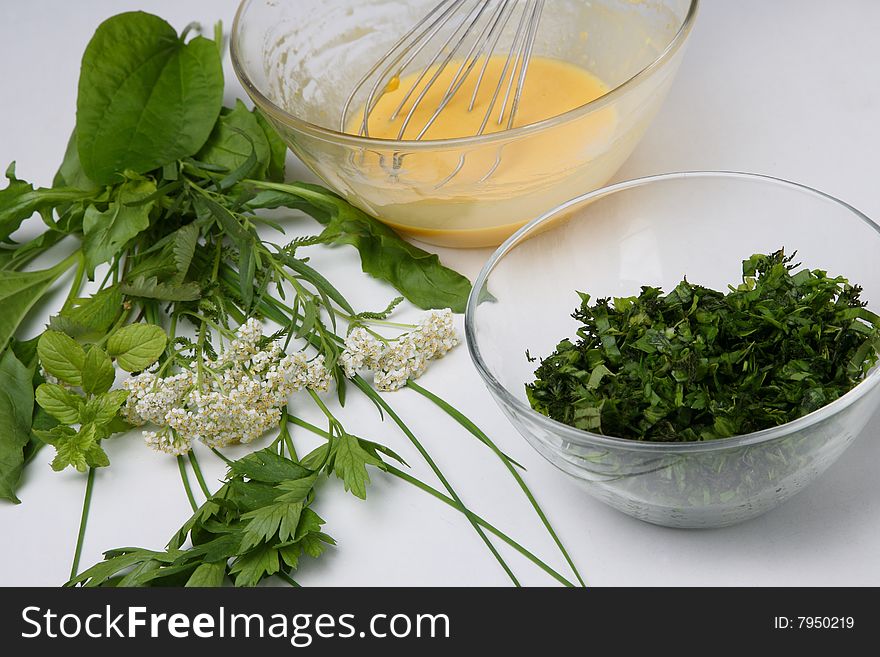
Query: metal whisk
{"type": "Point", "coordinates": [454, 28]}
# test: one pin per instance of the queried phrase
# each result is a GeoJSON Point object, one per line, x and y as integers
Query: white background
{"type": "Point", "coordinates": [788, 88]}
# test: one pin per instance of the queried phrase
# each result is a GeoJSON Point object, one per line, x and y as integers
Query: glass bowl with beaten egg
{"type": "Point", "coordinates": [597, 75]}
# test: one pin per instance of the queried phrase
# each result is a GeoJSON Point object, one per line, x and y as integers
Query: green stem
{"type": "Point", "coordinates": [287, 578]}
{"type": "Point", "coordinates": [76, 285]}
{"type": "Point", "coordinates": [372, 394]}
{"type": "Point", "coordinates": [181, 464]}
{"type": "Point", "coordinates": [448, 500]}
{"type": "Point", "coordinates": [87, 503]}
{"type": "Point", "coordinates": [198, 471]}
{"type": "Point", "coordinates": [474, 518]}
{"type": "Point", "coordinates": [482, 437]}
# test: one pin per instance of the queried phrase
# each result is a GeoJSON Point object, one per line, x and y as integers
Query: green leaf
{"type": "Point", "coordinates": [185, 241]}
{"type": "Point", "coordinates": [104, 408]}
{"type": "Point", "coordinates": [260, 562]}
{"type": "Point", "coordinates": [98, 373]}
{"type": "Point", "coordinates": [70, 173]}
{"type": "Point", "coordinates": [59, 402]}
{"type": "Point", "coordinates": [417, 274]}
{"type": "Point", "coordinates": [105, 233]}
{"type": "Point", "coordinates": [61, 357]}
{"type": "Point", "coordinates": [350, 463]}
{"type": "Point", "coordinates": [19, 291]}
{"type": "Point", "coordinates": [208, 575]}
{"type": "Point", "coordinates": [267, 466]}
{"type": "Point", "coordinates": [80, 449]}
{"type": "Point", "coordinates": [151, 288]}
{"type": "Point", "coordinates": [19, 201]}
{"type": "Point", "coordinates": [90, 318]}
{"type": "Point", "coordinates": [137, 346]}
{"type": "Point", "coordinates": [237, 136]}
{"type": "Point", "coordinates": [264, 523]}
{"type": "Point", "coordinates": [16, 414]}
{"type": "Point", "coordinates": [277, 149]}
{"type": "Point", "coordinates": [145, 97]}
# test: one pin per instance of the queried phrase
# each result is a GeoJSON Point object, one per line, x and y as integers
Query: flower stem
{"type": "Point", "coordinates": [198, 471]}
{"type": "Point", "coordinates": [87, 503]}
{"type": "Point", "coordinates": [482, 437]}
{"type": "Point", "coordinates": [181, 464]}
{"type": "Point", "coordinates": [378, 399]}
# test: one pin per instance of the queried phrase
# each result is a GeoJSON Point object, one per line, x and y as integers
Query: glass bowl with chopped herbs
{"type": "Point", "coordinates": [693, 348]}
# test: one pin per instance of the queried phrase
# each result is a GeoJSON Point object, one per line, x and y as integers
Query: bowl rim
{"type": "Point", "coordinates": [315, 130]}
{"type": "Point", "coordinates": [582, 437]}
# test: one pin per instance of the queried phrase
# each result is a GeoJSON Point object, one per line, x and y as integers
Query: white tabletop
{"type": "Point", "coordinates": [789, 88]}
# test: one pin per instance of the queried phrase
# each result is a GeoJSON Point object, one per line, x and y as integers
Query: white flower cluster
{"type": "Point", "coordinates": [233, 399]}
{"type": "Point", "coordinates": [407, 357]}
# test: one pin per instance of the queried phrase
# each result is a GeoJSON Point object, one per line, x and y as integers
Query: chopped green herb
{"type": "Point", "coordinates": [697, 364]}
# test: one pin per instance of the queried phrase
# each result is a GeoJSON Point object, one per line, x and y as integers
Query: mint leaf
{"type": "Point", "coordinates": [104, 408]}
{"type": "Point", "coordinates": [98, 372]}
{"type": "Point", "coordinates": [105, 233]}
{"type": "Point", "coordinates": [61, 357]}
{"type": "Point", "coordinates": [59, 402]}
{"type": "Point", "coordinates": [16, 413]}
{"type": "Point", "coordinates": [145, 97]}
{"type": "Point", "coordinates": [137, 346]}
{"type": "Point", "coordinates": [79, 449]}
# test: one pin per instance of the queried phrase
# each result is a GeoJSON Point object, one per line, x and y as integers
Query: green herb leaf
{"type": "Point", "coordinates": [98, 373]}
{"type": "Point", "coordinates": [137, 346]}
{"type": "Point", "coordinates": [349, 463]}
{"type": "Point", "coordinates": [697, 364]}
{"type": "Point", "coordinates": [145, 97]}
{"type": "Point", "coordinates": [59, 402]}
{"type": "Point", "coordinates": [92, 317]}
{"type": "Point", "coordinates": [237, 139]}
{"type": "Point", "coordinates": [417, 274]}
{"type": "Point", "coordinates": [151, 288]}
{"type": "Point", "coordinates": [277, 149]}
{"type": "Point", "coordinates": [16, 413]}
{"type": "Point", "coordinates": [105, 233]}
{"type": "Point", "coordinates": [208, 575]}
{"type": "Point", "coordinates": [79, 449]}
{"type": "Point", "coordinates": [62, 357]}
{"type": "Point", "coordinates": [104, 408]}
{"type": "Point", "coordinates": [19, 291]}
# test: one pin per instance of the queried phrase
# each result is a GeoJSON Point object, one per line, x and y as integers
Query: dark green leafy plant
{"type": "Point", "coordinates": [161, 190]}
{"type": "Point", "coordinates": [697, 364]}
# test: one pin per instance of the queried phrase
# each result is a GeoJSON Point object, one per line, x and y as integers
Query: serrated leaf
{"type": "Point", "coordinates": [349, 463]}
{"type": "Point", "coordinates": [98, 373]}
{"type": "Point", "coordinates": [263, 523]}
{"type": "Point", "coordinates": [260, 562]}
{"type": "Point", "coordinates": [137, 346]}
{"type": "Point", "coordinates": [61, 357]}
{"type": "Point", "coordinates": [59, 402]}
{"type": "Point", "coordinates": [208, 575]}
{"type": "Point", "coordinates": [184, 247]}
{"type": "Point", "coordinates": [151, 288]}
{"type": "Point", "coordinates": [105, 407]}
{"type": "Point", "coordinates": [79, 450]}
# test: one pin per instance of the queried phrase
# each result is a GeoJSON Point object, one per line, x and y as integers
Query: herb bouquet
{"type": "Point", "coordinates": [200, 328]}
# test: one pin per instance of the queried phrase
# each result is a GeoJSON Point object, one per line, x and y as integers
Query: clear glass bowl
{"type": "Point", "coordinates": [654, 231]}
{"type": "Point", "coordinates": [300, 59]}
